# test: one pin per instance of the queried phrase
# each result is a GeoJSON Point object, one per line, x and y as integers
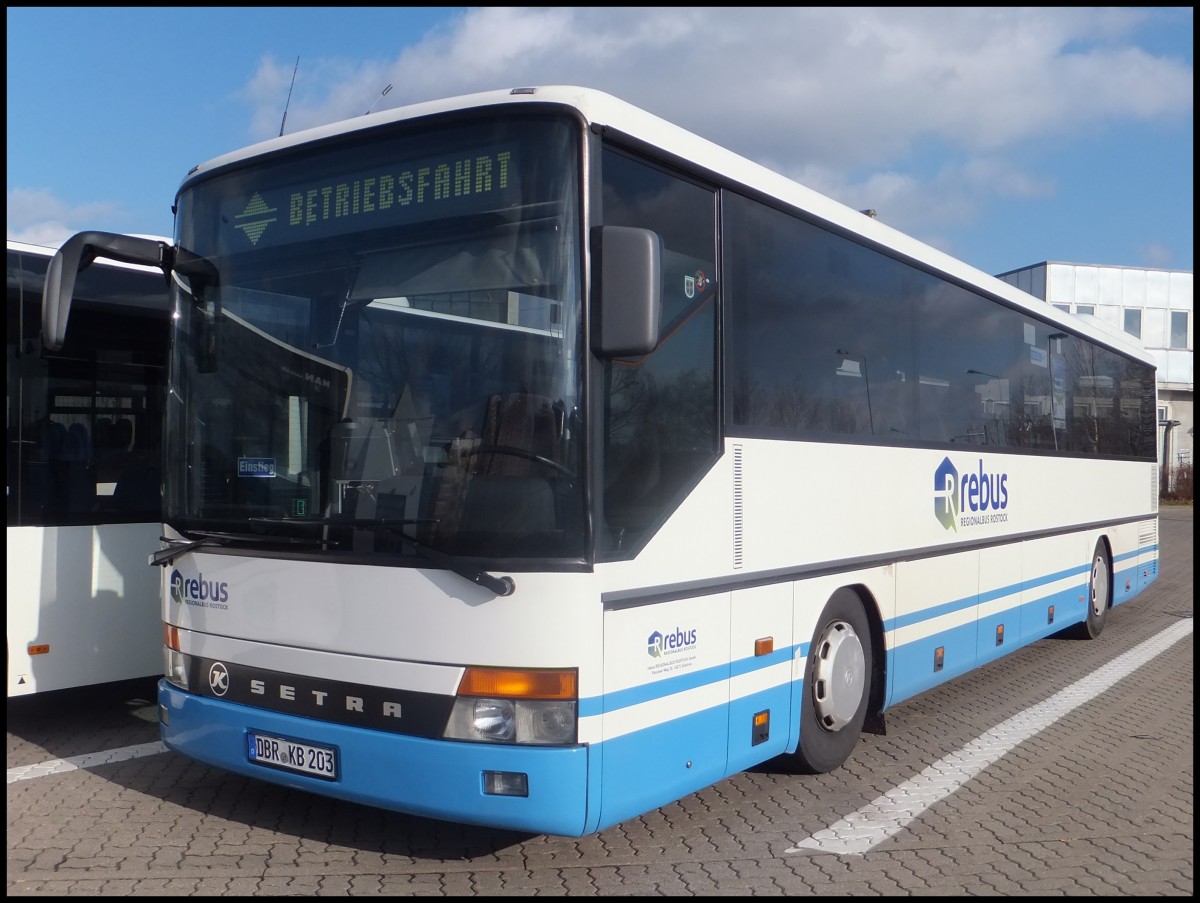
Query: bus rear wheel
{"type": "Point", "coordinates": [837, 685]}
{"type": "Point", "coordinates": [1099, 595]}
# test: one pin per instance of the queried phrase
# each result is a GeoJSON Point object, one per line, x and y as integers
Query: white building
{"type": "Point", "coordinates": [1152, 306]}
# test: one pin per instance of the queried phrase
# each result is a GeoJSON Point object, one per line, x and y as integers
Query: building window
{"type": "Point", "coordinates": [1179, 328]}
{"type": "Point", "coordinates": [1133, 323]}
{"type": "Point", "coordinates": [1065, 308]}
{"type": "Point", "coordinates": [1088, 309]}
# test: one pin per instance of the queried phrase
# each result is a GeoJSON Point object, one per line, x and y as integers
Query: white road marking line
{"type": "Point", "coordinates": [91, 760]}
{"type": "Point", "coordinates": [880, 819]}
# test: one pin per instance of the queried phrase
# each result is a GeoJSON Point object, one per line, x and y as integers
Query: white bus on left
{"type": "Point", "coordinates": [84, 436]}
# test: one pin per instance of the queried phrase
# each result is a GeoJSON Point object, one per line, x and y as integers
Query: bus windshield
{"type": "Point", "coordinates": [377, 347]}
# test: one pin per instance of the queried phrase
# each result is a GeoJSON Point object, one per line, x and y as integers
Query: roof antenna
{"type": "Point", "coordinates": [289, 100]}
{"type": "Point", "coordinates": [382, 95]}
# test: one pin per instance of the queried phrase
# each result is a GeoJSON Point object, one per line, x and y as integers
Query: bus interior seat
{"type": "Point", "coordinates": [104, 436]}
{"type": "Point", "coordinates": [77, 446]}
{"type": "Point", "coordinates": [122, 435]}
{"type": "Point", "coordinates": [52, 438]}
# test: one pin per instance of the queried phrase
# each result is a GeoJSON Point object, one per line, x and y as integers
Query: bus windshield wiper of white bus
{"type": "Point", "coordinates": [501, 586]}
{"type": "Point", "coordinates": [203, 538]}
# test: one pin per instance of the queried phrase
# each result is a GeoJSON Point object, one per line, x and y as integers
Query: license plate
{"type": "Point", "coordinates": [276, 752]}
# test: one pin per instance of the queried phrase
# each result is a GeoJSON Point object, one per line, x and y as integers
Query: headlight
{"type": "Point", "coordinates": [539, 721]}
{"type": "Point", "coordinates": [550, 722]}
{"type": "Point", "coordinates": [494, 719]}
{"type": "Point", "coordinates": [510, 706]}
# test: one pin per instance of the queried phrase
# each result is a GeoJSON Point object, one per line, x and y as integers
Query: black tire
{"type": "Point", "coordinates": [1099, 595]}
{"type": "Point", "coordinates": [837, 685]}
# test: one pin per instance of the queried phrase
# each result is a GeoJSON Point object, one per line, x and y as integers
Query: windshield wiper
{"type": "Point", "coordinates": [179, 546]}
{"type": "Point", "coordinates": [501, 586]}
{"type": "Point", "coordinates": [211, 538]}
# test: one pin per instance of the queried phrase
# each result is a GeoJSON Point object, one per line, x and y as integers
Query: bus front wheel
{"type": "Point", "coordinates": [837, 685]}
{"type": "Point", "coordinates": [1099, 595]}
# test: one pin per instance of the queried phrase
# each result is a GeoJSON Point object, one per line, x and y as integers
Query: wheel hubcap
{"type": "Point", "coordinates": [1099, 586]}
{"type": "Point", "coordinates": [838, 676]}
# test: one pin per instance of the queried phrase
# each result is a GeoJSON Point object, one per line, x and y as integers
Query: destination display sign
{"type": "Point", "coordinates": [452, 184]}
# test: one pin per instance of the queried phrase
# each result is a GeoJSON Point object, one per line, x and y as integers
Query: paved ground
{"type": "Point", "coordinates": [1032, 776]}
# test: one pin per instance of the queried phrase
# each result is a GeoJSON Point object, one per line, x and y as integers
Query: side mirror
{"type": "Point", "coordinates": [627, 291]}
{"type": "Point", "coordinates": [77, 253]}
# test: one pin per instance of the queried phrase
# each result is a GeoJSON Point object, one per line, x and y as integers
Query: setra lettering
{"type": "Point", "coordinates": [319, 698]}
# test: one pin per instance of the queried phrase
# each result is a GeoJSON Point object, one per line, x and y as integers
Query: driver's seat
{"type": "Point", "coordinates": [521, 422]}
{"type": "Point", "coordinates": [495, 487]}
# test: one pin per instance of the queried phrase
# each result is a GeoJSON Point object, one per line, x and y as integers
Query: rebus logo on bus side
{"type": "Point", "coordinates": [978, 491]}
{"type": "Point", "coordinates": [659, 644]}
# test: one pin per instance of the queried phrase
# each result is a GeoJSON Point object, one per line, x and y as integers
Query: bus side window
{"type": "Point", "coordinates": [660, 424]}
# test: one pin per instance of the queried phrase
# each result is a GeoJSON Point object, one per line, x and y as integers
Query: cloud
{"type": "Point", "coordinates": [853, 94]}
{"type": "Point", "coordinates": [37, 217]}
{"type": "Point", "coordinates": [853, 85]}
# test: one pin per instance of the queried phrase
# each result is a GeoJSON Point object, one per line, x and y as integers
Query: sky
{"type": "Point", "coordinates": [1003, 136]}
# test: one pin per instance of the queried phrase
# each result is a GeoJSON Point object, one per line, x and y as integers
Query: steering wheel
{"type": "Point", "coordinates": [518, 452]}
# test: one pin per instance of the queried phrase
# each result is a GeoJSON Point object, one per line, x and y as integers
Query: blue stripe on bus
{"type": "Point", "coordinates": [1134, 554]}
{"type": "Point", "coordinates": [946, 608]}
{"type": "Point", "coordinates": [689, 680]}
{"type": "Point", "coordinates": [719, 740]}
{"type": "Point", "coordinates": [621, 699]}
{"type": "Point", "coordinates": [1030, 623]}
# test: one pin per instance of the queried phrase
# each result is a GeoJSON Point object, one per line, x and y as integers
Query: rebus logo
{"type": "Point", "coordinates": [659, 644]}
{"type": "Point", "coordinates": [977, 492]}
{"type": "Point", "coordinates": [199, 591]}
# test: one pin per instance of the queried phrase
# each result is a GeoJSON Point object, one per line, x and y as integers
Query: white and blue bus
{"type": "Point", "coordinates": [84, 436]}
{"type": "Point", "coordinates": [533, 462]}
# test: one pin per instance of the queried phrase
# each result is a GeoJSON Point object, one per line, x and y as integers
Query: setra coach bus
{"type": "Point", "coordinates": [534, 462]}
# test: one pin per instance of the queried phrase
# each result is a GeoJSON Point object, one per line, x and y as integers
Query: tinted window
{"type": "Point", "coordinates": [85, 423]}
{"type": "Point", "coordinates": [831, 340]}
